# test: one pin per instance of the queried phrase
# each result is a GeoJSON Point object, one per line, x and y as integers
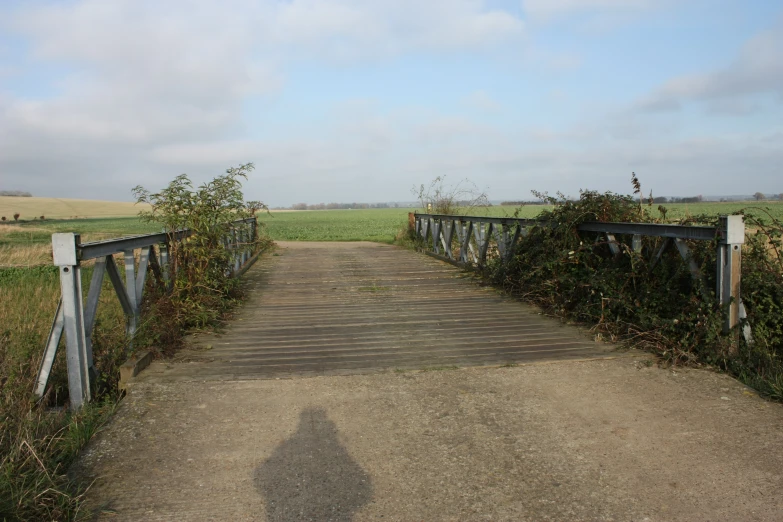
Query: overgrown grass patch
{"type": "Point", "coordinates": [38, 444]}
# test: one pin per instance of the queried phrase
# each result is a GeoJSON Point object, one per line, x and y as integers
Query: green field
{"type": "Point", "coordinates": [380, 225]}
{"type": "Point", "coordinates": [383, 225]}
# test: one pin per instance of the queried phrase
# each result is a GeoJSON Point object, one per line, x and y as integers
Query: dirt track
{"type": "Point", "coordinates": [589, 440]}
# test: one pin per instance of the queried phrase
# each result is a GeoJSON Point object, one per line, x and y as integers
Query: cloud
{"type": "Point", "coordinates": [482, 101]}
{"type": "Point", "coordinates": [138, 91]}
{"type": "Point", "coordinates": [137, 82]}
{"type": "Point", "coordinates": [554, 9]}
{"type": "Point", "coordinates": [357, 30]}
{"type": "Point", "coordinates": [757, 69]}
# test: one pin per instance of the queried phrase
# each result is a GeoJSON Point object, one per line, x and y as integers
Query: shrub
{"type": "Point", "coordinates": [661, 308]}
{"type": "Point", "coordinates": [440, 198]}
{"type": "Point", "coordinates": [200, 265]}
{"type": "Point", "coordinates": [16, 216]}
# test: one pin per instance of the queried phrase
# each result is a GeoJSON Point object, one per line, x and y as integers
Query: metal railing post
{"type": "Point", "coordinates": [66, 258]}
{"type": "Point", "coordinates": [130, 289]}
{"type": "Point", "coordinates": [235, 238]}
{"type": "Point", "coordinates": [732, 237]}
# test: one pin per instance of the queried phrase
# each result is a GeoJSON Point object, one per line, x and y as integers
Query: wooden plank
{"type": "Point", "coordinates": [341, 307]}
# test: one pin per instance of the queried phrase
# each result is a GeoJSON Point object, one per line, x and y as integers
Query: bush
{"type": "Point", "coordinates": [440, 198]}
{"type": "Point", "coordinates": [662, 308]}
{"type": "Point", "coordinates": [200, 265]}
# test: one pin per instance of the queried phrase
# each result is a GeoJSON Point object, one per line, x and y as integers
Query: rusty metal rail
{"type": "Point", "coordinates": [76, 318]}
{"type": "Point", "coordinates": [472, 240]}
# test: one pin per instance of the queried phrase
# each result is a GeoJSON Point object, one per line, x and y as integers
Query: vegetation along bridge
{"type": "Point", "coordinates": [322, 308]}
{"type": "Point", "coordinates": [221, 433]}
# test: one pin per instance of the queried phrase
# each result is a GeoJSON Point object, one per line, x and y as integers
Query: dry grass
{"type": "Point", "coordinates": [32, 252]}
{"type": "Point", "coordinates": [36, 445]}
{"type": "Point", "coordinates": [25, 256]}
{"type": "Point", "coordinates": [59, 208]}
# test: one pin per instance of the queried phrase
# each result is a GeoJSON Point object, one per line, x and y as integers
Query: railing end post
{"type": "Point", "coordinates": [64, 249]}
{"type": "Point", "coordinates": [729, 269]}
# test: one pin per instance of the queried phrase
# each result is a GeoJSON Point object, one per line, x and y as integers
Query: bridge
{"type": "Point", "coordinates": [328, 308]}
{"type": "Point", "coordinates": [362, 380]}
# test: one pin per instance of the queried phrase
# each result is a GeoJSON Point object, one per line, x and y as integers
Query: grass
{"type": "Point", "coordinates": [29, 243]}
{"type": "Point", "coordinates": [37, 445]}
{"type": "Point", "coordinates": [379, 225]}
{"type": "Point", "coordinates": [383, 225]}
{"type": "Point", "coordinates": [374, 289]}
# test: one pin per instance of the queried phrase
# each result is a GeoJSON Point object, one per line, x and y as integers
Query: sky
{"type": "Point", "coordinates": [343, 101]}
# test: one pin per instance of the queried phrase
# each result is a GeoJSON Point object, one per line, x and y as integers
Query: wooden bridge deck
{"type": "Point", "coordinates": [317, 308]}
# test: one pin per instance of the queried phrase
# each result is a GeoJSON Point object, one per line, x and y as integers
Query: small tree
{"type": "Point", "coordinates": [200, 264]}
{"type": "Point", "coordinates": [758, 196]}
{"type": "Point", "coordinates": [16, 216]}
{"type": "Point", "coordinates": [439, 198]}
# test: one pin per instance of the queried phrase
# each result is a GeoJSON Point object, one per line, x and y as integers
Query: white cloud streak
{"type": "Point", "coordinates": [757, 69]}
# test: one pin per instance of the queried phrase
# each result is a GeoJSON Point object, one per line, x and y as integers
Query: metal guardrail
{"type": "Point", "coordinates": [76, 318]}
{"type": "Point", "coordinates": [469, 240]}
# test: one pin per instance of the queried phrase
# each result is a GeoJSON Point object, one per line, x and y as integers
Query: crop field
{"type": "Point", "coordinates": [60, 208]}
{"type": "Point", "coordinates": [27, 243]}
{"type": "Point", "coordinates": [381, 225]}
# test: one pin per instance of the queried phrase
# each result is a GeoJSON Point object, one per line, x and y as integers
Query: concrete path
{"type": "Point", "coordinates": [551, 439]}
{"type": "Point", "coordinates": [590, 440]}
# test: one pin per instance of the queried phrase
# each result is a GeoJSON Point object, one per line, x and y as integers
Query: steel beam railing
{"type": "Point", "coordinates": [76, 318]}
{"type": "Point", "coordinates": [468, 241]}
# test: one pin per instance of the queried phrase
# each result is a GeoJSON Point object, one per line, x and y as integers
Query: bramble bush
{"type": "Point", "coordinates": [662, 307]}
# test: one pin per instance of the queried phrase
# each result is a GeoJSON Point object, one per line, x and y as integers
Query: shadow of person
{"type": "Point", "coordinates": [311, 476]}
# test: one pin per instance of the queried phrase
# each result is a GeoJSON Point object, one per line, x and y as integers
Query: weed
{"type": "Point", "coordinates": [374, 288]}
{"type": "Point", "coordinates": [440, 198]}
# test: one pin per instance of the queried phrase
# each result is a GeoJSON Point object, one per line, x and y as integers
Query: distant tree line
{"type": "Point", "coordinates": [343, 206]}
{"type": "Point", "coordinates": [691, 199]}
{"type": "Point", "coordinates": [520, 203]}
{"type": "Point", "coordinates": [16, 193]}
{"type": "Point", "coordinates": [760, 196]}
